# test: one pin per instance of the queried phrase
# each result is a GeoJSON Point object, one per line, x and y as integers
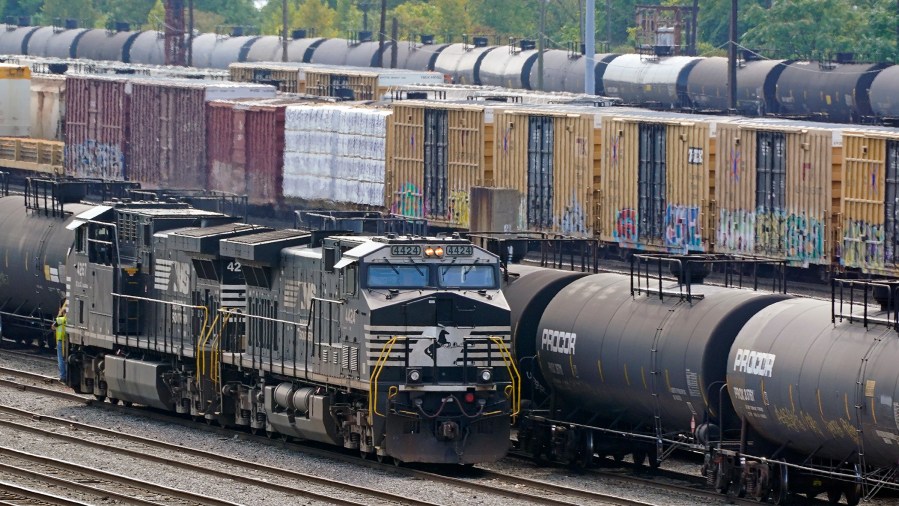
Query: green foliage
{"type": "Point", "coordinates": [778, 28]}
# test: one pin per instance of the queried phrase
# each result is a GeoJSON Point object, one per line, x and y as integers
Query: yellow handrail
{"type": "Point", "coordinates": [513, 374]}
{"type": "Point", "coordinates": [216, 353]}
{"type": "Point", "coordinates": [375, 374]}
{"type": "Point", "coordinates": [201, 357]}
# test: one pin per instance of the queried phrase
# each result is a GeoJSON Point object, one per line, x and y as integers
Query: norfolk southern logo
{"type": "Point", "coordinates": [754, 362]}
{"type": "Point", "coordinates": [558, 342]}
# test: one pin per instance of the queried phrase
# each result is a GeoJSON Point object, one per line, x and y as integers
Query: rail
{"type": "Point", "coordinates": [33, 155]}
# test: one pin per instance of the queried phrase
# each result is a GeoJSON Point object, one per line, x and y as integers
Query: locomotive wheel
{"type": "Point", "coordinates": [127, 404]}
{"type": "Point", "coordinates": [397, 462]}
{"type": "Point", "coordinates": [380, 458]}
{"type": "Point", "coordinates": [254, 431]}
{"type": "Point", "coordinates": [99, 397]}
{"type": "Point", "coordinates": [269, 434]}
{"type": "Point", "coordinates": [113, 400]}
{"type": "Point", "coordinates": [363, 455]}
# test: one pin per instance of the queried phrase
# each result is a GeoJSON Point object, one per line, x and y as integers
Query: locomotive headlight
{"type": "Point", "coordinates": [429, 251]}
{"type": "Point", "coordinates": [413, 376]}
{"type": "Point", "coordinates": [485, 375]}
{"type": "Point", "coordinates": [439, 251]}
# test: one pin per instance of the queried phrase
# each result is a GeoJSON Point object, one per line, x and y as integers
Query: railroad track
{"type": "Point", "coordinates": [66, 476]}
{"type": "Point", "coordinates": [480, 480]}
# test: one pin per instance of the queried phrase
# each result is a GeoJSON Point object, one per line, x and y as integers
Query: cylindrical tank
{"type": "Point", "coordinates": [105, 45]}
{"type": "Point", "coordinates": [830, 92]}
{"type": "Point", "coordinates": [266, 48]}
{"type": "Point", "coordinates": [203, 47]}
{"type": "Point", "coordinates": [528, 298]}
{"type": "Point", "coordinates": [564, 71]}
{"type": "Point", "coordinates": [799, 379]}
{"type": "Point", "coordinates": [756, 86]}
{"type": "Point", "coordinates": [462, 62]}
{"type": "Point", "coordinates": [331, 52]}
{"type": "Point", "coordinates": [16, 41]}
{"type": "Point", "coordinates": [32, 267]}
{"type": "Point", "coordinates": [509, 69]}
{"type": "Point", "coordinates": [649, 82]}
{"type": "Point", "coordinates": [632, 358]}
{"type": "Point", "coordinates": [231, 49]}
{"type": "Point", "coordinates": [365, 54]}
{"type": "Point", "coordinates": [53, 43]}
{"type": "Point", "coordinates": [147, 48]}
{"type": "Point", "coordinates": [412, 56]}
{"type": "Point", "coordinates": [884, 93]}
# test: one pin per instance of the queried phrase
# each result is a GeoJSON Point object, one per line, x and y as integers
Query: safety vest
{"type": "Point", "coordinates": [60, 328]}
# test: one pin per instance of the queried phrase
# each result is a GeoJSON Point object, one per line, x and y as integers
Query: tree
{"type": "Point", "coordinates": [132, 11]}
{"type": "Point", "coordinates": [82, 10]}
{"type": "Point", "coordinates": [300, 14]}
{"type": "Point", "coordinates": [417, 17]}
{"type": "Point", "coordinates": [801, 28]}
{"type": "Point", "coordinates": [348, 16]}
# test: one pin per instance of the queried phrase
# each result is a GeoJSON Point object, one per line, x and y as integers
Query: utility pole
{"type": "Point", "coordinates": [190, 28]}
{"type": "Point", "coordinates": [395, 36]}
{"type": "Point", "coordinates": [608, 25]}
{"type": "Point", "coordinates": [381, 33]}
{"type": "Point", "coordinates": [732, 60]}
{"type": "Point", "coordinates": [175, 53]}
{"type": "Point", "coordinates": [540, 45]}
{"type": "Point", "coordinates": [590, 48]}
{"type": "Point", "coordinates": [283, 30]}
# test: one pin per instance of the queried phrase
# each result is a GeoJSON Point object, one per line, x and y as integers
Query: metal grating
{"type": "Point", "coordinates": [891, 206]}
{"type": "Point", "coordinates": [651, 181]}
{"type": "Point", "coordinates": [541, 139]}
{"type": "Point", "coordinates": [435, 145]}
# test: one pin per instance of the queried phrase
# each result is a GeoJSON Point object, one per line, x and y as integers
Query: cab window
{"type": "Point", "coordinates": [397, 276]}
{"type": "Point", "coordinates": [466, 276]}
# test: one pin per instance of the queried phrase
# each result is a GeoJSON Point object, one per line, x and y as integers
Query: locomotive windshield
{"type": "Point", "coordinates": [466, 276]}
{"type": "Point", "coordinates": [397, 276]}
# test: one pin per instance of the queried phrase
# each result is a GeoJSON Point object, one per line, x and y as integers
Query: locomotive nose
{"type": "Point", "coordinates": [448, 431]}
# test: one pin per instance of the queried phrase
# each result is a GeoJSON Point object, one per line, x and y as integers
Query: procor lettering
{"type": "Point", "coordinates": [558, 342]}
{"type": "Point", "coordinates": [754, 362]}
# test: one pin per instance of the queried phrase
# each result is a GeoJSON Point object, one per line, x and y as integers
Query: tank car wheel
{"type": "Point", "coordinates": [99, 397]}
{"type": "Point", "coordinates": [653, 460]}
{"type": "Point", "coordinates": [833, 494]}
{"type": "Point", "coordinates": [780, 490]}
{"type": "Point", "coordinates": [853, 494]}
{"type": "Point", "coordinates": [380, 458]}
{"type": "Point", "coordinates": [113, 400]}
{"type": "Point", "coordinates": [269, 434]}
{"type": "Point", "coordinates": [639, 458]}
{"type": "Point", "coordinates": [397, 462]}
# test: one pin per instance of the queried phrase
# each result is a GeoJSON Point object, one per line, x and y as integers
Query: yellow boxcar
{"type": "Point", "coordinates": [869, 216]}
{"type": "Point", "coordinates": [547, 154]}
{"type": "Point", "coordinates": [437, 154]}
{"type": "Point", "coordinates": [285, 76]}
{"type": "Point", "coordinates": [773, 192]}
{"type": "Point", "coordinates": [656, 183]}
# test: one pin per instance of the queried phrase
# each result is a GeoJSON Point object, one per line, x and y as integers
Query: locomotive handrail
{"type": "Point", "coordinates": [375, 374]}
{"type": "Point", "coordinates": [201, 343]}
{"type": "Point", "coordinates": [173, 304]}
{"type": "Point", "coordinates": [513, 374]}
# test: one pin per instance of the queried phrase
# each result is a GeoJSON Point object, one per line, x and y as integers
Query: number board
{"type": "Point", "coordinates": [406, 250]}
{"type": "Point", "coordinates": [459, 250]}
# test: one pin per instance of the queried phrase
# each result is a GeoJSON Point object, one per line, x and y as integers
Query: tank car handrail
{"type": "Point", "coordinates": [891, 306]}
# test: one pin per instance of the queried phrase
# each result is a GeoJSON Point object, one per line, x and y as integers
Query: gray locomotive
{"type": "Point", "coordinates": [397, 346]}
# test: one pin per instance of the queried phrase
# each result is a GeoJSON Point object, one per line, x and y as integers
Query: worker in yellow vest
{"type": "Point", "coordinates": [60, 326]}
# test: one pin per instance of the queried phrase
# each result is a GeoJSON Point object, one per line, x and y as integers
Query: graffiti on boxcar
{"type": "Point", "coordinates": [458, 208]}
{"type": "Point", "coordinates": [862, 245]}
{"type": "Point", "coordinates": [625, 226]}
{"type": "Point", "coordinates": [794, 237]}
{"type": "Point", "coordinates": [736, 230]}
{"type": "Point", "coordinates": [682, 228]}
{"type": "Point", "coordinates": [573, 220]}
{"type": "Point", "coordinates": [408, 201]}
{"type": "Point", "coordinates": [96, 160]}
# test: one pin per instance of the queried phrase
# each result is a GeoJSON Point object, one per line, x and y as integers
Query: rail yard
{"type": "Point", "coordinates": [318, 261]}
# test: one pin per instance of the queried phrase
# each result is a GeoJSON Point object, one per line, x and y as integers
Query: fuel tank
{"type": "Point", "coordinates": [33, 250]}
{"type": "Point", "coordinates": [818, 387]}
{"type": "Point", "coordinates": [630, 358]}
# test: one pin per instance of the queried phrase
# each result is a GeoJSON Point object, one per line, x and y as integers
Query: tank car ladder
{"type": "Point", "coordinates": [656, 383]}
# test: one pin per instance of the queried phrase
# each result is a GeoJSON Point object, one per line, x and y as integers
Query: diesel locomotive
{"type": "Point", "coordinates": [397, 346]}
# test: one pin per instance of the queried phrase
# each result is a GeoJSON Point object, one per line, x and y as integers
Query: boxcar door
{"type": "Point", "coordinates": [891, 206]}
{"type": "Point", "coordinates": [770, 193]}
{"type": "Point", "coordinates": [651, 182]}
{"type": "Point", "coordinates": [541, 137]}
{"type": "Point", "coordinates": [435, 143]}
